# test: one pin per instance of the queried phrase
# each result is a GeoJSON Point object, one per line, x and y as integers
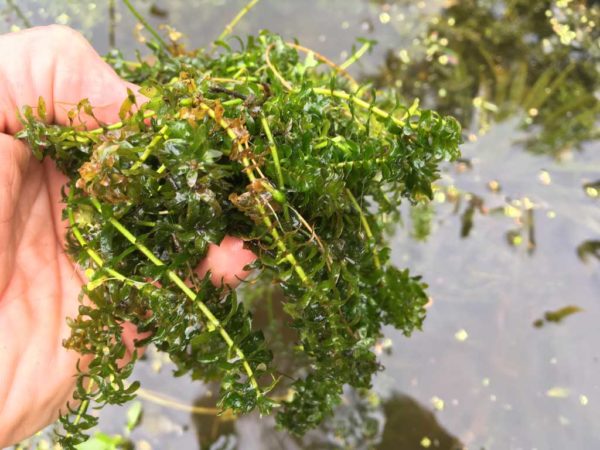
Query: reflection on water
{"type": "Point", "coordinates": [522, 76]}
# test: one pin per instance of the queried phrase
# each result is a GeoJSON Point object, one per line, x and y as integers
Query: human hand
{"type": "Point", "coordinates": [39, 284]}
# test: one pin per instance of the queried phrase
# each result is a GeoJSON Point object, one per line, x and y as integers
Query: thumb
{"type": "Point", "coordinates": [58, 64]}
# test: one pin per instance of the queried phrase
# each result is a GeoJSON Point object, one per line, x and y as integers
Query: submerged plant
{"type": "Point", "coordinates": [305, 165]}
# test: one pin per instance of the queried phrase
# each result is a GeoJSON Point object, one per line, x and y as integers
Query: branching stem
{"type": "Point", "coordinates": [339, 69]}
{"type": "Point", "coordinates": [266, 219]}
{"type": "Point", "coordinates": [231, 25]}
{"type": "Point", "coordinates": [356, 56]}
{"type": "Point", "coordinates": [357, 101]}
{"type": "Point", "coordinates": [214, 322]}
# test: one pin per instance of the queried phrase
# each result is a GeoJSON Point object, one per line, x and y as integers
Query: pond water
{"type": "Point", "coordinates": [513, 234]}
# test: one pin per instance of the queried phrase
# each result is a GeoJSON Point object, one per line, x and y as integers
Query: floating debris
{"type": "Point", "coordinates": [461, 335]}
{"type": "Point", "coordinates": [384, 17]}
{"type": "Point", "coordinates": [494, 186]}
{"type": "Point", "coordinates": [557, 316]}
{"type": "Point", "coordinates": [592, 189]}
{"type": "Point", "coordinates": [544, 177]}
{"type": "Point", "coordinates": [558, 392]}
{"type": "Point", "coordinates": [438, 403]}
{"type": "Point", "coordinates": [587, 249]}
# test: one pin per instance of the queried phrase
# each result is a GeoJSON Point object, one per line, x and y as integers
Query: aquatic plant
{"type": "Point", "coordinates": [258, 141]}
{"type": "Point", "coordinates": [485, 62]}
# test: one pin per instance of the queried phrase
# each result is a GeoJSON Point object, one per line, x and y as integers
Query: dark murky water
{"type": "Point", "coordinates": [514, 232]}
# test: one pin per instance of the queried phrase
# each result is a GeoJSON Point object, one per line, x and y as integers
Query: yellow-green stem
{"type": "Point", "coordinates": [357, 101]}
{"type": "Point", "coordinates": [356, 56]}
{"type": "Point", "coordinates": [119, 125]}
{"type": "Point", "coordinates": [231, 25]}
{"type": "Point", "coordinates": [266, 220]}
{"type": "Point", "coordinates": [214, 322]}
{"type": "Point", "coordinates": [148, 150]}
{"type": "Point", "coordinates": [273, 148]}
{"type": "Point", "coordinates": [366, 226]}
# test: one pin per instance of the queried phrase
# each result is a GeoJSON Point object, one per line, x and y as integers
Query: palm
{"type": "Point", "coordinates": [39, 286]}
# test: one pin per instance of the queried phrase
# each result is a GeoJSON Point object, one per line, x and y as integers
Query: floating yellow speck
{"type": "Point", "coordinates": [443, 60]}
{"type": "Point", "coordinates": [591, 192]}
{"type": "Point", "coordinates": [438, 403]}
{"type": "Point", "coordinates": [494, 186]}
{"type": "Point", "coordinates": [384, 17]}
{"type": "Point", "coordinates": [544, 177]}
{"type": "Point", "coordinates": [551, 214]}
{"type": "Point", "coordinates": [557, 392]}
{"type": "Point", "coordinates": [15, 28]}
{"type": "Point", "coordinates": [512, 212]}
{"type": "Point", "coordinates": [485, 382]}
{"type": "Point", "coordinates": [451, 21]}
{"type": "Point", "coordinates": [345, 25]}
{"type": "Point", "coordinates": [533, 112]}
{"type": "Point", "coordinates": [472, 137]}
{"type": "Point", "coordinates": [461, 335]}
{"type": "Point", "coordinates": [63, 19]}
{"type": "Point", "coordinates": [583, 400]}
{"type": "Point", "coordinates": [442, 92]}
{"type": "Point", "coordinates": [426, 442]}
{"type": "Point", "coordinates": [517, 240]}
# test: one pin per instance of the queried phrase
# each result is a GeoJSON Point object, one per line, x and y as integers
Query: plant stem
{"type": "Point", "coordinates": [286, 83]}
{"type": "Point", "coordinates": [118, 125]}
{"type": "Point", "coordinates": [366, 225]}
{"type": "Point", "coordinates": [275, 155]}
{"type": "Point", "coordinates": [146, 25]}
{"type": "Point", "coordinates": [162, 400]}
{"type": "Point", "coordinates": [266, 220]}
{"type": "Point", "coordinates": [273, 149]}
{"type": "Point", "coordinates": [356, 56]}
{"type": "Point", "coordinates": [148, 150]}
{"type": "Point", "coordinates": [231, 25]}
{"type": "Point", "coordinates": [112, 24]}
{"type": "Point", "coordinates": [129, 63]}
{"type": "Point", "coordinates": [339, 69]}
{"type": "Point", "coordinates": [357, 101]}
{"type": "Point", "coordinates": [214, 322]}
{"type": "Point", "coordinates": [19, 13]}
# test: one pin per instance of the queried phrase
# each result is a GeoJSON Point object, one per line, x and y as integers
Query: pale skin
{"type": "Point", "coordinates": [39, 284]}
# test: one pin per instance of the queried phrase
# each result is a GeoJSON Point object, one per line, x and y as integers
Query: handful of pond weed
{"type": "Point", "coordinates": [261, 143]}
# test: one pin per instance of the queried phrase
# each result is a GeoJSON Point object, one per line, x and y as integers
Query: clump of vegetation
{"type": "Point", "coordinates": [486, 61]}
{"type": "Point", "coordinates": [258, 142]}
